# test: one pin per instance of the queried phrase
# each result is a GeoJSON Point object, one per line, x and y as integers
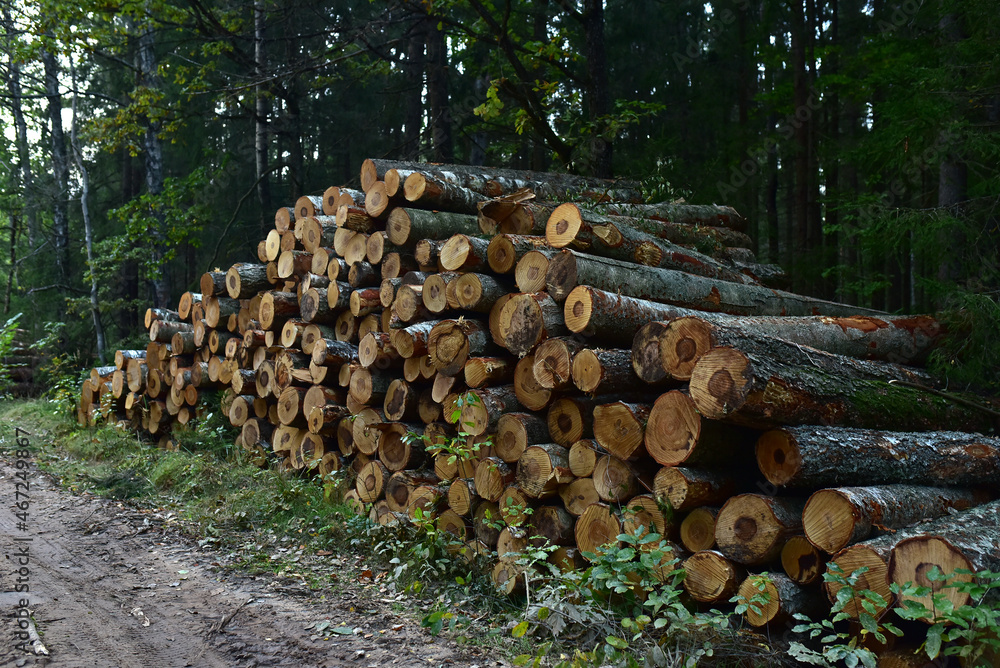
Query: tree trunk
{"type": "Point", "coordinates": [554, 362]}
{"type": "Point", "coordinates": [427, 192]}
{"type": "Point", "coordinates": [687, 488]}
{"type": "Point", "coordinates": [811, 456]}
{"type": "Point", "coordinates": [21, 134]}
{"type": "Point", "coordinates": [463, 253]}
{"type": "Point", "coordinates": [835, 518]}
{"type": "Point", "coordinates": [569, 269]}
{"type": "Point", "coordinates": [60, 174]}
{"type": "Point", "coordinates": [610, 317]}
{"type": "Point", "coordinates": [406, 226]}
{"type": "Point", "coordinates": [604, 371]}
{"type": "Point", "coordinates": [702, 216]}
{"type": "Point", "coordinates": [767, 382]}
{"type": "Point", "coordinates": [262, 111]}
{"type": "Point", "coordinates": [900, 339]}
{"type": "Point", "coordinates": [438, 102]}
{"type": "Point", "coordinates": [752, 528]}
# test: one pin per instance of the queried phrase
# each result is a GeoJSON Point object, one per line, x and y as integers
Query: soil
{"type": "Point", "coordinates": [112, 584]}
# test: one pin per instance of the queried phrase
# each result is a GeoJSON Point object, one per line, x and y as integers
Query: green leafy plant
{"type": "Point", "coordinates": [461, 447]}
{"type": "Point", "coordinates": [7, 333]}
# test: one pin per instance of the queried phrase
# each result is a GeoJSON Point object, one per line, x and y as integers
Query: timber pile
{"type": "Point", "coordinates": [611, 366]}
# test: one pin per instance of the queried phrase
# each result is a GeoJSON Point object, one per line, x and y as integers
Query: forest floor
{"type": "Point", "coordinates": [114, 583]}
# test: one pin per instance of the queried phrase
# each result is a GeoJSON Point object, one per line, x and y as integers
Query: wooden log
{"type": "Point", "coordinates": [834, 518]}
{"type": "Point", "coordinates": [646, 352]}
{"type": "Point", "coordinates": [752, 528]}
{"type": "Point", "coordinates": [462, 496]}
{"type": "Point", "coordinates": [364, 301]}
{"type": "Point", "coordinates": [619, 427]}
{"type": "Point", "coordinates": [516, 507]}
{"type": "Point", "coordinates": [801, 561]}
{"type": "Point", "coordinates": [515, 432]}
{"type": "Point", "coordinates": [613, 318]}
{"type": "Point", "coordinates": [542, 468]}
{"type": "Point", "coordinates": [697, 529]}
{"type": "Point", "coordinates": [569, 269]}
{"type": "Point", "coordinates": [506, 250]}
{"type": "Point", "coordinates": [398, 264]}
{"type": "Point", "coordinates": [244, 280]}
{"type": "Point", "coordinates": [435, 292]}
{"type": "Point", "coordinates": [463, 253]}
{"type": "Point", "coordinates": [483, 408]}
{"type": "Point", "coordinates": [406, 225]}
{"type": "Point", "coordinates": [596, 527]}
{"type": "Point", "coordinates": [376, 351]}
{"type": "Point", "coordinates": [784, 599]}
{"type": "Point", "coordinates": [479, 292]}
{"type": "Point", "coordinates": [323, 418]}
{"type": "Point", "coordinates": [371, 481]}
{"type": "Point", "coordinates": [483, 371]}
{"type": "Point", "coordinates": [550, 526]}
{"type": "Point", "coordinates": [579, 494]}
{"type": "Point", "coordinates": [400, 450]}
{"type": "Point", "coordinates": [528, 319]}
{"type": "Point", "coordinates": [811, 456]}
{"type": "Point", "coordinates": [411, 341]}
{"type": "Point", "coordinates": [514, 216]}
{"type": "Point", "coordinates": [363, 275]}
{"type": "Point", "coordinates": [677, 434]}
{"type": "Point", "coordinates": [277, 307]}
{"type": "Point", "coordinates": [427, 251]}
{"type": "Point", "coordinates": [614, 480]}
{"type": "Point", "coordinates": [685, 488]}
{"type": "Point", "coordinates": [531, 269]}
{"type": "Point", "coordinates": [493, 475]}
{"type": "Point", "coordinates": [308, 205]}
{"type": "Point", "coordinates": [294, 263]}
{"type": "Point", "coordinates": [452, 342]}
{"type": "Point", "coordinates": [767, 382]}
{"type": "Point", "coordinates": [487, 513]}
{"type": "Point", "coordinates": [711, 577]}
{"type": "Point", "coordinates": [532, 396]}
{"type": "Point", "coordinates": [218, 309]}
{"type": "Point", "coordinates": [213, 283]}
{"type": "Point", "coordinates": [369, 385]}
{"type": "Point", "coordinates": [554, 362]}
{"type": "Point", "coordinates": [599, 371]}
{"type": "Point", "coordinates": [611, 237]}
{"type": "Point", "coordinates": [430, 192]}
{"type": "Point", "coordinates": [583, 456]}
{"type": "Point", "coordinates": [702, 215]}
{"type": "Point", "coordinates": [154, 314]}
{"type": "Point", "coordinates": [162, 331]}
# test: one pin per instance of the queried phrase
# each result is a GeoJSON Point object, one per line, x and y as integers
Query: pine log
{"type": "Point", "coordinates": [479, 292]}
{"type": "Point", "coordinates": [531, 269]}
{"type": "Point", "coordinates": [364, 301]}
{"type": "Point", "coordinates": [711, 577]}
{"type": "Point", "coordinates": [596, 527]}
{"type": "Point", "coordinates": [314, 305]}
{"type": "Point", "coordinates": [154, 314]}
{"type": "Point", "coordinates": [550, 526]}
{"type": "Point", "coordinates": [583, 456]}
{"type": "Point", "coordinates": [514, 215]}
{"type": "Point", "coordinates": [613, 318]}
{"type": "Point", "coordinates": [571, 419]}
{"type": "Point", "coordinates": [901, 339]}
{"type": "Point", "coordinates": [412, 341]}
{"type": "Point", "coordinates": [711, 215]}
{"type": "Point", "coordinates": [277, 307]}
{"type": "Point", "coordinates": [294, 263]}
{"type": "Point", "coordinates": [811, 456]}
{"type": "Point", "coordinates": [409, 303]}
{"type": "Point", "coordinates": [598, 371]}
{"type": "Point", "coordinates": [784, 599]}
{"type": "Point", "coordinates": [398, 450]}
{"type": "Point", "coordinates": [569, 269]}
{"type": "Point", "coordinates": [767, 382]}
{"type": "Point", "coordinates": [213, 283]}
{"type": "Point", "coordinates": [619, 239]}
{"type": "Point", "coordinates": [493, 475]}
{"type": "Point", "coordinates": [245, 280]}
{"type": "Point", "coordinates": [484, 407]}
{"type": "Point", "coordinates": [532, 396]}
{"type": "Point", "coordinates": [542, 468]}
{"type": "Point", "coordinates": [837, 517]}
{"type": "Point", "coordinates": [579, 494]}
{"type": "Point", "coordinates": [515, 432]}
{"type": "Point", "coordinates": [554, 362]}
{"type": "Point", "coordinates": [369, 386]}
{"type": "Point", "coordinates": [363, 275]}
{"type": "Point", "coordinates": [685, 488]}
{"type": "Point", "coordinates": [697, 529]}
{"type": "Point", "coordinates": [752, 528]}
{"type": "Point", "coordinates": [487, 513]}
{"type": "Point", "coordinates": [619, 428]}
{"type": "Point", "coordinates": [614, 480]}
{"type": "Point", "coordinates": [401, 401]}
{"type": "Point", "coordinates": [162, 331]}
{"type": "Point", "coordinates": [433, 193]}
{"type": "Point", "coordinates": [435, 292]}
{"type": "Point", "coordinates": [515, 506]}
{"type": "Point", "coordinates": [506, 250]}
{"type": "Point", "coordinates": [452, 342]}
{"type": "Point", "coordinates": [483, 371]}
{"type": "Point", "coordinates": [405, 225]}
{"type": "Point", "coordinates": [186, 303]}
{"type": "Point", "coordinates": [375, 350]}
{"type": "Point", "coordinates": [676, 433]}
{"type": "Point", "coordinates": [528, 319]}
{"type": "Point", "coordinates": [462, 496]}
{"type": "Point", "coordinates": [371, 481]}
{"type": "Point", "coordinates": [802, 562]}
{"type": "Point", "coordinates": [646, 352]}
{"type": "Point", "coordinates": [217, 309]}
{"type": "Point", "coordinates": [462, 252]}
{"type": "Point", "coordinates": [306, 206]}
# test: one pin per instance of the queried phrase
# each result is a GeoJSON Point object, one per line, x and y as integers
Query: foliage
{"type": "Point", "coordinates": [7, 333]}
{"type": "Point", "coordinates": [462, 447]}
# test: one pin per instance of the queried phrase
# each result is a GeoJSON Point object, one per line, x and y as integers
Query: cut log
{"type": "Point", "coordinates": [571, 418]}
{"type": "Point", "coordinates": [375, 351]}
{"type": "Point", "coordinates": [752, 528]}
{"type": "Point", "coordinates": [532, 396]}
{"type": "Point", "coordinates": [802, 562]}
{"type": "Point", "coordinates": [514, 215]}
{"type": "Point", "coordinates": [550, 526]}
{"type": "Point", "coordinates": [901, 339]}
{"type": "Point", "coordinates": [462, 496]}
{"type": "Point", "coordinates": [483, 371]}
{"type": "Point", "coordinates": [767, 382]}
{"type": "Point", "coordinates": [506, 250]}
{"type": "Point", "coordinates": [554, 362]}
{"type": "Point", "coordinates": [371, 481]}
{"type": "Point", "coordinates": [646, 352]}
{"type": "Point", "coordinates": [213, 283]}
{"type": "Point", "coordinates": [542, 469]}
{"type": "Point", "coordinates": [685, 488]}
{"type": "Point", "coordinates": [677, 434]}
{"type": "Point", "coordinates": [697, 530]}
{"type": "Point", "coordinates": [486, 515]}
{"type": "Point", "coordinates": [243, 281]}
{"type": "Point", "coordinates": [435, 292]}
{"type": "Point", "coordinates": [614, 480]}
{"type": "Point", "coordinates": [479, 292]}
{"type": "Point", "coordinates": [412, 341]}
{"type": "Point", "coordinates": [401, 401]}
{"type": "Point", "coordinates": [583, 456]}
{"type": "Point", "coordinates": [596, 527]}
{"type": "Point", "coordinates": [837, 517]}
{"type": "Point", "coordinates": [531, 269]}
{"type": "Point", "coordinates": [493, 475]}
{"type": "Point", "coordinates": [452, 342]}
{"type": "Point", "coordinates": [399, 448]}
{"type": "Point", "coordinates": [433, 193]}
{"type": "Point", "coordinates": [462, 252]}
{"type": "Point", "coordinates": [967, 541]}
{"type": "Point", "coordinates": [619, 239]}
{"type": "Point", "coordinates": [294, 263]}
{"type": "Point", "coordinates": [276, 308]}
{"type": "Point", "coordinates": [528, 319]}
{"type": "Point", "coordinates": [515, 432]}
{"type": "Point", "coordinates": [569, 269]}
{"type": "Point", "coordinates": [711, 577]}
{"type": "Point", "coordinates": [613, 318]}
{"type": "Point", "coordinates": [405, 225]}
{"type": "Point", "coordinates": [484, 407]}
{"type": "Point", "coordinates": [162, 331]}
{"type": "Point", "coordinates": [784, 599]}
{"type": "Point", "coordinates": [619, 428]}
{"type": "Point", "coordinates": [811, 456]}
{"type": "Point", "coordinates": [711, 215]}
{"type": "Point", "coordinates": [597, 371]}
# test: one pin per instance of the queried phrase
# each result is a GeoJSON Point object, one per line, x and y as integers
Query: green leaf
{"type": "Point", "coordinates": [616, 642]}
{"type": "Point", "coordinates": [520, 630]}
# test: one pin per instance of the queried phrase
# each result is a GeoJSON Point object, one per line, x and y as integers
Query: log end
{"type": "Point", "coordinates": [778, 456]}
{"type": "Point", "coordinates": [682, 344]}
{"type": "Point", "coordinates": [720, 382]}
{"type": "Point", "coordinates": [563, 225]}
{"type": "Point", "coordinates": [828, 520]}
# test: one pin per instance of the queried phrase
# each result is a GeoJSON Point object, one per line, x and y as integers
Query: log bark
{"type": "Point", "coordinates": [406, 225]}
{"type": "Point", "coordinates": [550, 526]}
{"type": "Point", "coordinates": [514, 216]}
{"type": "Point", "coordinates": [685, 488]}
{"type": "Point", "coordinates": [213, 283]}
{"type": "Point", "coordinates": [599, 371]}
{"type": "Point", "coordinates": [412, 341]}
{"type": "Point", "coordinates": [710, 215]}
{"type": "Point", "coordinates": [612, 318]}
{"type": "Point", "coordinates": [767, 382]}
{"type": "Point", "coordinates": [429, 192]}
{"type": "Point", "coordinates": [835, 518]}
{"type": "Point", "coordinates": [542, 469]}
{"type": "Point", "coordinates": [569, 269]}
{"type": "Point", "coordinates": [646, 352]}
{"type": "Point", "coordinates": [277, 307]}
{"type": "Point", "coordinates": [905, 339]}
{"type": "Point", "coordinates": [676, 433]}
{"type": "Point", "coordinates": [399, 451]}
{"type": "Point", "coordinates": [752, 528]}
{"type": "Point", "coordinates": [619, 239]}
{"type": "Point", "coordinates": [488, 371]}
{"type": "Point", "coordinates": [812, 456]}
{"type": "Point", "coordinates": [711, 577]}
{"type": "Point", "coordinates": [243, 281]}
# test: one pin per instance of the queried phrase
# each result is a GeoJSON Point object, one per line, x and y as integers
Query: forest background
{"type": "Point", "coordinates": [145, 143]}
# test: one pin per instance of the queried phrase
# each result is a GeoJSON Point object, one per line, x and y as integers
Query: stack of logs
{"type": "Point", "coordinates": [528, 372]}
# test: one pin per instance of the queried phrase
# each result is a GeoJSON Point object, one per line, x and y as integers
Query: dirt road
{"type": "Point", "coordinates": [110, 585]}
